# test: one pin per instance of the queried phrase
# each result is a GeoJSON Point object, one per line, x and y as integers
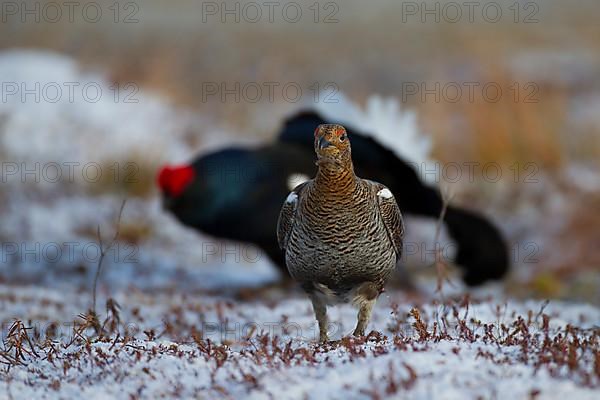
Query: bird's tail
{"type": "Point", "coordinates": [482, 251]}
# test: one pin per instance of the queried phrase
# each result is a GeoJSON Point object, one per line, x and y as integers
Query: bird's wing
{"type": "Point", "coordinates": [287, 216]}
{"type": "Point", "coordinates": [391, 215]}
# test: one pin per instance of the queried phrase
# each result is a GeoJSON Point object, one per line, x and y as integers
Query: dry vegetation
{"type": "Point", "coordinates": [568, 352]}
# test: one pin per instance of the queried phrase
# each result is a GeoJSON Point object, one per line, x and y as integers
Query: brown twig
{"type": "Point", "coordinates": [440, 265]}
{"type": "Point", "coordinates": [103, 251]}
{"type": "Point", "coordinates": [16, 344]}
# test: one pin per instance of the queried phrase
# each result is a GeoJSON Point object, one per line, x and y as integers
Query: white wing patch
{"type": "Point", "coordinates": [296, 179]}
{"type": "Point", "coordinates": [292, 198]}
{"type": "Point", "coordinates": [385, 193]}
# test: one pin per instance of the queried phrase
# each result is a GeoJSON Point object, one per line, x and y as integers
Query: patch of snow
{"type": "Point", "coordinates": [56, 112]}
{"type": "Point", "coordinates": [566, 67]}
{"type": "Point", "coordinates": [584, 177]}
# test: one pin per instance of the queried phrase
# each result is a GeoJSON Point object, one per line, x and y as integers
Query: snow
{"type": "Point", "coordinates": [75, 114]}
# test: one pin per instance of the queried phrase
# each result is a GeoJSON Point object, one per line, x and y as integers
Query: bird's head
{"type": "Point", "coordinates": [332, 145]}
{"type": "Point", "coordinates": [183, 193]}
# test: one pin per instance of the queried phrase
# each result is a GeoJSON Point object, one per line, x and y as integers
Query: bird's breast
{"type": "Point", "coordinates": [337, 240]}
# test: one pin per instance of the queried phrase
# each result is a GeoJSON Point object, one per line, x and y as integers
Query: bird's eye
{"type": "Point", "coordinates": [343, 137]}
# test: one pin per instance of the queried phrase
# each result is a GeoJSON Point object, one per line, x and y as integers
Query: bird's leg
{"type": "Point", "coordinates": [320, 309]}
{"type": "Point", "coordinates": [365, 298]}
{"type": "Point", "coordinates": [364, 315]}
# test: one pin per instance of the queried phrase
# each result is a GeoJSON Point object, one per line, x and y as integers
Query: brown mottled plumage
{"type": "Point", "coordinates": [342, 235]}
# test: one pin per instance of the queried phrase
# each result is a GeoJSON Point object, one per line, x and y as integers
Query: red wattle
{"type": "Point", "coordinates": [173, 180]}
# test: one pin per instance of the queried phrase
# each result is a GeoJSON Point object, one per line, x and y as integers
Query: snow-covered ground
{"type": "Point", "coordinates": [179, 344]}
{"type": "Point", "coordinates": [187, 325]}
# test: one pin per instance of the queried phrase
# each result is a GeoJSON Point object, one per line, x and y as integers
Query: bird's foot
{"type": "Point", "coordinates": [358, 332]}
{"type": "Point", "coordinates": [323, 337]}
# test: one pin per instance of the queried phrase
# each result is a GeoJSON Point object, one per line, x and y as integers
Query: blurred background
{"type": "Point", "coordinates": [122, 88]}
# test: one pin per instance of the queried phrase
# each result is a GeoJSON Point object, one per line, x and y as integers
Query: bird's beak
{"type": "Point", "coordinates": [323, 143]}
